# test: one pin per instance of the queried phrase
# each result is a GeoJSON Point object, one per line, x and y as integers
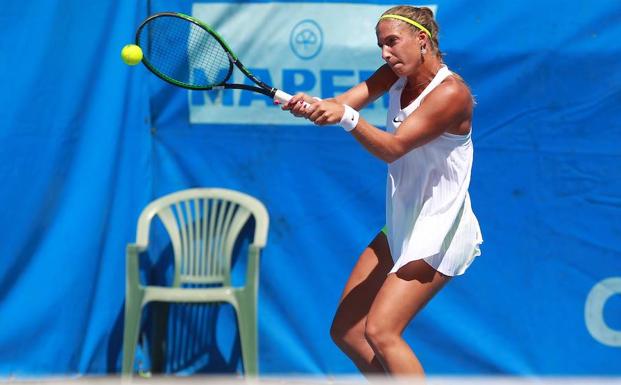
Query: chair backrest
{"type": "Point", "coordinates": [203, 225]}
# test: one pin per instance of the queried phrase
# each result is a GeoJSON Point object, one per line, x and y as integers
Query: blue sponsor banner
{"type": "Point", "coordinates": [89, 141]}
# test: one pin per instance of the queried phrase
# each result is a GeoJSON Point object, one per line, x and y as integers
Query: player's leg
{"type": "Point", "coordinates": [400, 298]}
{"type": "Point", "coordinates": [348, 325]}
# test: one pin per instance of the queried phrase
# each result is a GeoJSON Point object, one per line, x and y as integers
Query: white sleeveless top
{"type": "Point", "coordinates": [428, 212]}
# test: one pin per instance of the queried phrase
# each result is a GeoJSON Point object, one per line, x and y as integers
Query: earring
{"type": "Point", "coordinates": [423, 50]}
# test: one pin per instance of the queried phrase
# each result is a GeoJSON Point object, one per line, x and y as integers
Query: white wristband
{"type": "Point", "coordinates": [350, 118]}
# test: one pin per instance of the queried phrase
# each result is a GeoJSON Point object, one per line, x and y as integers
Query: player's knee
{"type": "Point", "coordinates": [344, 336]}
{"type": "Point", "coordinates": [338, 333]}
{"type": "Point", "coordinates": [379, 337]}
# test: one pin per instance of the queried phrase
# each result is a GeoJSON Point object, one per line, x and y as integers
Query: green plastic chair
{"type": "Point", "coordinates": [203, 225]}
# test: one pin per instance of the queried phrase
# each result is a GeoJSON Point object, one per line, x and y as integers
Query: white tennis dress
{"type": "Point", "coordinates": [428, 212]}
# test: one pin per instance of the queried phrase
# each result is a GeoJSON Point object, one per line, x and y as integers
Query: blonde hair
{"type": "Point", "coordinates": [423, 16]}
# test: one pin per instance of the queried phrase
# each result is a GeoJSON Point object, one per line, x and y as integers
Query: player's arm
{"type": "Point", "coordinates": [444, 109]}
{"type": "Point", "coordinates": [369, 90]}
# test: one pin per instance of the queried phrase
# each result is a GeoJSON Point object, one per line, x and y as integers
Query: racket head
{"type": "Point", "coordinates": [184, 51]}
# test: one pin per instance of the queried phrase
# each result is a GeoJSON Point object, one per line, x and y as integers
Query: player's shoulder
{"type": "Point", "coordinates": [453, 90]}
{"type": "Point", "coordinates": [455, 87]}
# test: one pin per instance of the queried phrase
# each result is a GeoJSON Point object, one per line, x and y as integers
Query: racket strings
{"type": "Point", "coordinates": [184, 52]}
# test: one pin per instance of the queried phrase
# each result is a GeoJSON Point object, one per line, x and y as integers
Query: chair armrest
{"type": "Point", "coordinates": [253, 267]}
{"type": "Point", "coordinates": [132, 273]}
{"type": "Point", "coordinates": [135, 248]}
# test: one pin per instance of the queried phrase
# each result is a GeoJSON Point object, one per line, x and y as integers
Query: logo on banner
{"type": "Point", "coordinates": [594, 311]}
{"type": "Point", "coordinates": [306, 39]}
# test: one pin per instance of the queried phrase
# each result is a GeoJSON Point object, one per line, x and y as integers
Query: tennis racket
{"type": "Point", "coordinates": [186, 52]}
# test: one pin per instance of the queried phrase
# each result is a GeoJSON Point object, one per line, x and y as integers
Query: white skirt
{"type": "Point", "coordinates": [459, 249]}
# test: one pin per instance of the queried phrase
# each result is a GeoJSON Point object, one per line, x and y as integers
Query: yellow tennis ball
{"type": "Point", "coordinates": [131, 54]}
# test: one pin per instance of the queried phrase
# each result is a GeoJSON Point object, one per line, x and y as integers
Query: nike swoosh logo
{"type": "Point", "coordinates": [397, 121]}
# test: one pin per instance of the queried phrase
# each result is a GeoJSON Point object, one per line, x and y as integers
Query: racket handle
{"type": "Point", "coordinates": [282, 97]}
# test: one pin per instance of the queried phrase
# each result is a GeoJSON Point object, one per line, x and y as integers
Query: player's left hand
{"type": "Point", "coordinates": [325, 112]}
{"type": "Point", "coordinates": [299, 105]}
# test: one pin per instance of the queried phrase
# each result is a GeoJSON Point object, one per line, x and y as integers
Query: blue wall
{"type": "Point", "coordinates": [87, 142]}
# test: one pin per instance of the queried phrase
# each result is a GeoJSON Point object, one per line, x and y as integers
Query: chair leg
{"type": "Point", "coordinates": [158, 335]}
{"type": "Point", "coordinates": [247, 323]}
{"type": "Point", "coordinates": [133, 311]}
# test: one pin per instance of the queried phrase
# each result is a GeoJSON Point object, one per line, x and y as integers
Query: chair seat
{"type": "Point", "coordinates": [175, 294]}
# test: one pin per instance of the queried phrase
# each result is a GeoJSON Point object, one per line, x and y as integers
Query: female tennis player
{"type": "Point", "coordinates": [431, 232]}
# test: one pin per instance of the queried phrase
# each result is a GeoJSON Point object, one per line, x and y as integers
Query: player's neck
{"type": "Point", "coordinates": [427, 71]}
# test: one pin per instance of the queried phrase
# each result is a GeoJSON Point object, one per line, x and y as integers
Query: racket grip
{"type": "Point", "coordinates": [282, 97]}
